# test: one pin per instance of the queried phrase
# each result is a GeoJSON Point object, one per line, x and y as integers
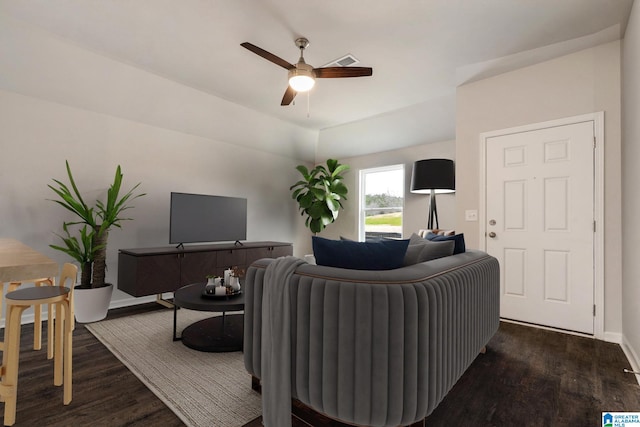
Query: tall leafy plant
{"type": "Point", "coordinates": [81, 249]}
{"type": "Point", "coordinates": [91, 249]}
{"type": "Point", "coordinates": [320, 193]}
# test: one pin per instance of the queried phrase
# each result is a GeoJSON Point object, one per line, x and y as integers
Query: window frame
{"type": "Point", "coordinates": [362, 195]}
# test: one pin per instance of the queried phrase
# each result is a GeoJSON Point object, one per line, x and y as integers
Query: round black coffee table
{"type": "Point", "coordinates": [215, 334]}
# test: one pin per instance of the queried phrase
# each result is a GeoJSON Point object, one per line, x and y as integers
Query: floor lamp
{"type": "Point", "coordinates": [432, 176]}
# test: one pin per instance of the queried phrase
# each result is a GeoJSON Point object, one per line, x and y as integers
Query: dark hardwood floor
{"type": "Point", "coordinates": [536, 377]}
{"type": "Point", "coordinates": [105, 392]}
{"type": "Point", "coordinates": [528, 377]}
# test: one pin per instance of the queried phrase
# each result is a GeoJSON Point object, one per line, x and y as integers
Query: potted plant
{"type": "Point", "coordinates": [320, 193]}
{"type": "Point", "coordinates": [91, 249]}
{"type": "Point", "coordinates": [81, 250]}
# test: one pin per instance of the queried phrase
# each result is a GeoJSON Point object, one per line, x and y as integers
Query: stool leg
{"type": "Point", "coordinates": [37, 324]}
{"type": "Point", "coordinates": [72, 315]}
{"type": "Point", "coordinates": [37, 321]}
{"type": "Point", "coordinates": [5, 323]}
{"type": "Point", "coordinates": [37, 327]}
{"type": "Point", "coordinates": [10, 361]}
{"type": "Point", "coordinates": [58, 348]}
{"type": "Point", "coordinates": [50, 281]}
{"type": "Point", "coordinates": [68, 353]}
{"type": "Point", "coordinates": [50, 343]}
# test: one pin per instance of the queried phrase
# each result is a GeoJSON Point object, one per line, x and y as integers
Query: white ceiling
{"type": "Point", "coordinates": [420, 50]}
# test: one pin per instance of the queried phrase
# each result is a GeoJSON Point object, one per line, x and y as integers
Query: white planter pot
{"type": "Point", "coordinates": [91, 305]}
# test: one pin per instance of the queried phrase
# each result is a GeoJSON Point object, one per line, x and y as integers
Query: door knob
{"type": "Point", "coordinates": [492, 234]}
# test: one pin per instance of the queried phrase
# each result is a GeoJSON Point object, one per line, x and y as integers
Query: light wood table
{"type": "Point", "coordinates": [19, 262]}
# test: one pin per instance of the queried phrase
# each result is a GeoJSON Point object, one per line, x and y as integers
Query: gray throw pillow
{"type": "Point", "coordinates": [459, 246]}
{"type": "Point", "coordinates": [421, 250]}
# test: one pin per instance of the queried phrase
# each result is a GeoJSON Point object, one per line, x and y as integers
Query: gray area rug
{"type": "Point", "coordinates": [203, 389]}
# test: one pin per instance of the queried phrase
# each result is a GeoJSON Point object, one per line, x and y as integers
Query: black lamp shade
{"type": "Point", "coordinates": [433, 174]}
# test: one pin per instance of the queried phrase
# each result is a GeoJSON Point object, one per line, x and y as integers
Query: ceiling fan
{"type": "Point", "coordinates": [302, 76]}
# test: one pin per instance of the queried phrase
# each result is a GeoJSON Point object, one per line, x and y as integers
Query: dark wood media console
{"type": "Point", "coordinates": [153, 271]}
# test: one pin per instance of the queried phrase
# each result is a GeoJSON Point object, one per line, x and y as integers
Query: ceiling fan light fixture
{"type": "Point", "coordinates": [301, 83]}
{"type": "Point", "coordinates": [301, 79]}
{"type": "Point", "coordinates": [302, 76]}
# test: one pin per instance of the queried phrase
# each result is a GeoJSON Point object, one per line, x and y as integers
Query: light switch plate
{"type": "Point", "coordinates": [471, 215]}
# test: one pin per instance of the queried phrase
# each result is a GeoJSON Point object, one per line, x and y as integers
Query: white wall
{"type": "Point", "coordinates": [406, 127]}
{"type": "Point", "coordinates": [415, 205]}
{"type": "Point", "coordinates": [631, 190]}
{"type": "Point", "coordinates": [59, 102]}
{"type": "Point", "coordinates": [584, 82]}
{"type": "Point", "coordinates": [36, 63]}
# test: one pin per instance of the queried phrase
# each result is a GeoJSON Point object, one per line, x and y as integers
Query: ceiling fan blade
{"type": "Point", "coordinates": [267, 55]}
{"type": "Point", "coordinates": [336, 72]}
{"type": "Point", "coordinates": [289, 94]}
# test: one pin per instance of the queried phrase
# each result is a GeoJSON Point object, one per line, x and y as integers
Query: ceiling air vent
{"type": "Point", "coordinates": [344, 61]}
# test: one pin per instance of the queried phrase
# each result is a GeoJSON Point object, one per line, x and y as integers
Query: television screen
{"type": "Point", "coordinates": [196, 218]}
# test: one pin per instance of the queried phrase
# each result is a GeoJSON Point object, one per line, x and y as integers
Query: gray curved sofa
{"type": "Point", "coordinates": [380, 348]}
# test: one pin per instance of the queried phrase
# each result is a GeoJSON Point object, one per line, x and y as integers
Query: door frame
{"type": "Point", "coordinates": [598, 198]}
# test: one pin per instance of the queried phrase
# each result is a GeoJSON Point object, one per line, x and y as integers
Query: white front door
{"type": "Point", "coordinates": [540, 224]}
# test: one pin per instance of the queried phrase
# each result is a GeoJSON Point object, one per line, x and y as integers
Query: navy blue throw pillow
{"type": "Point", "coordinates": [458, 239]}
{"type": "Point", "coordinates": [383, 255]}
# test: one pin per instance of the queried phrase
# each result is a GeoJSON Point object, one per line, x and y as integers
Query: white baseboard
{"type": "Point", "coordinates": [632, 357]}
{"type": "Point", "coordinates": [613, 337]}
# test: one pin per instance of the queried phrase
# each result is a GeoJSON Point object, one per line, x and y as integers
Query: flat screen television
{"type": "Point", "coordinates": [199, 218]}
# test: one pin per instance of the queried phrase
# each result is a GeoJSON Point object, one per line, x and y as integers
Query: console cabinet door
{"type": "Point", "coordinates": [255, 254]}
{"type": "Point", "coordinates": [196, 266]}
{"type": "Point", "coordinates": [148, 275]}
{"type": "Point", "coordinates": [156, 271]}
{"type": "Point", "coordinates": [278, 251]}
{"type": "Point", "coordinates": [229, 258]}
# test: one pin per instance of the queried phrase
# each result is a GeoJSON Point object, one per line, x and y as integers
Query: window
{"type": "Point", "coordinates": [381, 202]}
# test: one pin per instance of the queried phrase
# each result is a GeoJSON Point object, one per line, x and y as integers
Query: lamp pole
{"type": "Point", "coordinates": [433, 211]}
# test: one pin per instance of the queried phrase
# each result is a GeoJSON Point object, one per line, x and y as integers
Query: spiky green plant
{"type": "Point", "coordinates": [82, 250]}
{"type": "Point", "coordinates": [99, 218]}
{"type": "Point", "coordinates": [320, 194]}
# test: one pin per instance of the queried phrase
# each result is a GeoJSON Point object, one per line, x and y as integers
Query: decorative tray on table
{"type": "Point", "coordinates": [207, 294]}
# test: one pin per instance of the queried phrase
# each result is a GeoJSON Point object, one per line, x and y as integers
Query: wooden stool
{"type": "Point", "coordinates": [58, 297]}
{"type": "Point", "coordinates": [37, 317]}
